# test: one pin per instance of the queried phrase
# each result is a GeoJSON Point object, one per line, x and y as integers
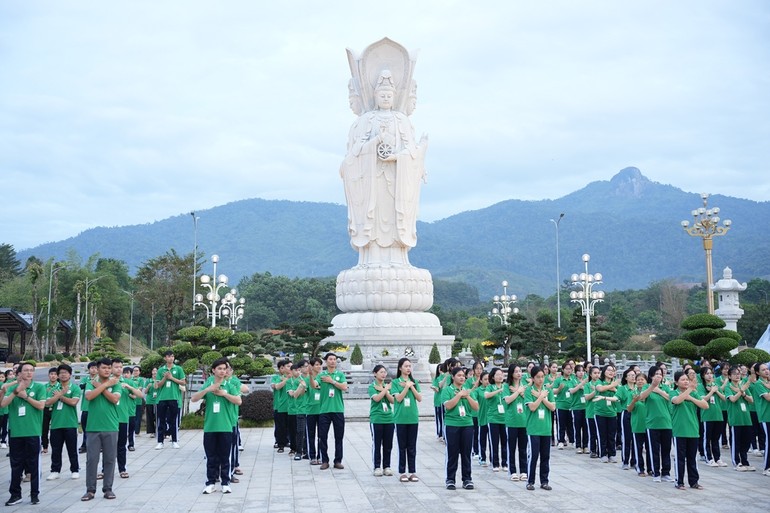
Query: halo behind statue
{"type": "Point", "coordinates": [384, 55]}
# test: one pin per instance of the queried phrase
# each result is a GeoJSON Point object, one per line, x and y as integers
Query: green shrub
{"type": "Point", "coordinates": [356, 357]}
{"type": "Point", "coordinates": [210, 357]}
{"type": "Point", "coordinates": [679, 348]}
{"type": "Point", "coordinates": [49, 357]}
{"type": "Point", "coordinates": [241, 338]}
{"type": "Point", "coordinates": [84, 359]}
{"type": "Point", "coordinates": [193, 334]}
{"type": "Point", "coordinates": [192, 421]}
{"type": "Point", "coordinates": [150, 361]}
{"type": "Point", "coordinates": [702, 320]}
{"type": "Point", "coordinates": [228, 350]}
{"type": "Point", "coordinates": [478, 351]}
{"type": "Point", "coordinates": [258, 406]}
{"type": "Point", "coordinates": [190, 366]}
{"type": "Point", "coordinates": [719, 348]}
{"type": "Point", "coordinates": [750, 357]}
{"type": "Point", "coordinates": [730, 334]}
{"type": "Point", "coordinates": [183, 351]}
{"type": "Point", "coordinates": [435, 356]}
{"type": "Point", "coordinates": [217, 336]}
{"type": "Point", "coordinates": [701, 336]}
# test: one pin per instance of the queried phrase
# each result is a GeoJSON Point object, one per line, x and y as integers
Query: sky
{"type": "Point", "coordinates": [122, 113]}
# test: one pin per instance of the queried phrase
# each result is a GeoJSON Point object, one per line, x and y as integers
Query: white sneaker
{"type": "Point", "coordinates": [756, 452]}
{"type": "Point", "coordinates": [751, 468]}
{"type": "Point", "coordinates": [75, 475]}
{"type": "Point", "coordinates": [226, 489]}
{"type": "Point", "coordinates": [174, 445]}
{"type": "Point", "coordinates": [766, 472]}
{"type": "Point", "coordinates": [656, 479]}
{"type": "Point", "coordinates": [3, 445]}
{"type": "Point", "coordinates": [721, 463]}
{"type": "Point", "coordinates": [741, 468]}
{"type": "Point", "coordinates": [387, 472]}
{"type": "Point", "coordinates": [54, 475]}
{"type": "Point", "coordinates": [378, 472]}
{"type": "Point", "coordinates": [209, 489]}
{"type": "Point", "coordinates": [712, 463]}
{"type": "Point", "coordinates": [667, 479]}
{"type": "Point", "coordinates": [560, 446]}
{"type": "Point", "coordinates": [240, 448]}
{"type": "Point", "coordinates": [159, 446]}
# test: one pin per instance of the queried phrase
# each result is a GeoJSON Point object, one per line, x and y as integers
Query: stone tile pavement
{"type": "Point", "coordinates": [171, 481]}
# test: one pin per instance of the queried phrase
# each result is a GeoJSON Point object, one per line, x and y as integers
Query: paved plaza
{"type": "Point", "coordinates": [171, 481]}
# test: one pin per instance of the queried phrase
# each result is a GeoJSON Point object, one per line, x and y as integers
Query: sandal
{"type": "Point", "coordinates": [99, 476]}
{"type": "Point", "coordinates": [124, 475]}
{"type": "Point", "coordinates": [404, 478]}
{"type": "Point", "coordinates": [238, 472]}
{"type": "Point", "coordinates": [413, 478]}
{"type": "Point", "coordinates": [88, 496]}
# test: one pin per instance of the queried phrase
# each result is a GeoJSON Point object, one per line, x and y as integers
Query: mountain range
{"type": "Point", "coordinates": [629, 225]}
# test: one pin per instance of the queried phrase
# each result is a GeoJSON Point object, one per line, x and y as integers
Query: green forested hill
{"type": "Point", "coordinates": [628, 224]}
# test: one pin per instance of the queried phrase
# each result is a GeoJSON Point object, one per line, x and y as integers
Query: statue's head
{"type": "Point", "coordinates": [385, 91]}
{"type": "Point", "coordinates": [356, 103]}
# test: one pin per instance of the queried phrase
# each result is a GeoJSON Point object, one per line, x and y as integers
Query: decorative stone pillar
{"type": "Point", "coordinates": [727, 290]}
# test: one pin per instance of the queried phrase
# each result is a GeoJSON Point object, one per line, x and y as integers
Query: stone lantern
{"type": "Point", "coordinates": [727, 290]}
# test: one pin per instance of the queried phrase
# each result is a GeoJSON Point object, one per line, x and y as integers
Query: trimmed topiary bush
{"type": "Point", "coordinates": [193, 334]}
{"type": "Point", "coordinates": [702, 320]}
{"type": "Point", "coordinates": [679, 348]}
{"type": "Point", "coordinates": [209, 357]}
{"type": "Point", "coordinates": [701, 336]}
{"type": "Point", "coordinates": [435, 356]}
{"type": "Point", "coordinates": [49, 357]}
{"type": "Point", "coordinates": [258, 406]}
{"type": "Point", "coordinates": [750, 357]}
{"type": "Point", "coordinates": [356, 357]}
{"type": "Point", "coordinates": [718, 347]}
{"type": "Point", "coordinates": [150, 361]}
{"type": "Point", "coordinates": [190, 366]}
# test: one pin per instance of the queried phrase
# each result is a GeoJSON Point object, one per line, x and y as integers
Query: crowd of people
{"type": "Point", "coordinates": [113, 400]}
{"type": "Point", "coordinates": [509, 420]}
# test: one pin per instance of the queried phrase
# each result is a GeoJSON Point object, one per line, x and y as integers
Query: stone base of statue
{"type": "Point", "coordinates": [384, 313]}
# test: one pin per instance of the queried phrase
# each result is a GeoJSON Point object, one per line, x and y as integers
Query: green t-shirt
{"type": "Point", "coordinates": [762, 405]}
{"type": "Point", "coordinates": [313, 398]}
{"type": "Point", "coordinates": [297, 405]}
{"type": "Point", "coordinates": [380, 412]}
{"type": "Point", "coordinates": [218, 417]}
{"type": "Point", "coordinates": [459, 416]}
{"type": "Point", "coordinates": [738, 412]}
{"type": "Point", "coordinates": [624, 397]}
{"type": "Point", "coordinates": [752, 406]}
{"type": "Point", "coordinates": [722, 383]}
{"type": "Point", "coordinates": [578, 397]}
{"type": "Point", "coordinates": [438, 392]}
{"type": "Point", "coordinates": [588, 388]}
{"type": "Point", "coordinates": [170, 389]}
{"type": "Point", "coordinates": [331, 396]}
{"type": "Point", "coordinates": [126, 405]}
{"type": "Point", "coordinates": [684, 419]}
{"type": "Point", "coordinates": [139, 382]}
{"type": "Point", "coordinates": [638, 415]}
{"type": "Point", "coordinates": [102, 414]}
{"type": "Point", "coordinates": [658, 409]}
{"type": "Point", "coordinates": [478, 395]}
{"type": "Point", "coordinates": [604, 406]}
{"type": "Point", "coordinates": [280, 397]}
{"type": "Point", "coordinates": [516, 412]}
{"type": "Point", "coordinates": [23, 418]}
{"type": "Point", "coordinates": [84, 402]}
{"type": "Point", "coordinates": [496, 405]}
{"type": "Point", "coordinates": [150, 392]}
{"type": "Point", "coordinates": [63, 415]}
{"type": "Point", "coordinates": [714, 413]}
{"type": "Point", "coordinates": [406, 410]}
{"type": "Point", "coordinates": [564, 397]}
{"type": "Point", "coordinates": [540, 421]}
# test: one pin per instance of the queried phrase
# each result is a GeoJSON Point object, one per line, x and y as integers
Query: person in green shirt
{"type": "Point", "coordinates": [63, 401]}
{"type": "Point", "coordinates": [561, 391]}
{"type": "Point", "coordinates": [281, 404]}
{"type": "Point", "coordinates": [438, 408]}
{"type": "Point", "coordinates": [605, 413]}
{"type": "Point", "coordinates": [482, 436]}
{"type": "Point", "coordinates": [458, 402]}
{"type": "Point", "coordinates": [628, 380]}
{"type": "Point", "coordinates": [140, 383]}
{"type": "Point", "coordinates": [4, 414]}
{"type": "Point", "coordinates": [684, 420]}
{"type": "Point", "coordinates": [53, 383]}
{"type": "Point", "coordinates": [638, 411]}
{"type": "Point", "coordinates": [25, 400]}
{"type": "Point", "coordinates": [760, 391]}
{"type": "Point", "coordinates": [539, 400]}
{"type": "Point", "coordinates": [103, 394]}
{"type": "Point", "coordinates": [657, 398]}
{"type": "Point", "coordinates": [297, 390]}
{"type": "Point", "coordinates": [151, 401]}
{"type": "Point", "coordinates": [381, 421]}
{"type": "Point", "coordinates": [406, 392]}
{"type": "Point", "coordinates": [578, 410]}
{"type": "Point", "coordinates": [516, 423]}
{"type": "Point", "coordinates": [496, 406]}
{"type": "Point", "coordinates": [93, 370]}
{"type": "Point", "coordinates": [738, 399]}
{"type": "Point", "coordinates": [711, 419]}
{"type": "Point", "coordinates": [473, 382]}
{"type": "Point", "coordinates": [589, 392]}
{"type": "Point", "coordinates": [170, 378]}
{"type": "Point", "coordinates": [331, 383]}
{"type": "Point", "coordinates": [221, 400]}
{"type": "Point", "coordinates": [126, 408]}
{"type": "Point", "coordinates": [313, 409]}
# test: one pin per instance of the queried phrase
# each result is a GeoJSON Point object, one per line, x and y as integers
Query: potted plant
{"type": "Point", "coordinates": [356, 358]}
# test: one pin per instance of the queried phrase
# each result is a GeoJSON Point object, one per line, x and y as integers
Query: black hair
{"type": "Point", "coordinates": [625, 375]}
{"type": "Point", "coordinates": [678, 374]}
{"type": "Point", "coordinates": [651, 373]}
{"type": "Point", "coordinates": [703, 371]}
{"type": "Point", "coordinates": [457, 370]}
{"type": "Point", "coordinates": [511, 369]}
{"type": "Point", "coordinates": [22, 364]}
{"type": "Point", "coordinates": [116, 360]}
{"type": "Point", "coordinates": [377, 368]}
{"type": "Point", "coordinates": [534, 371]}
{"type": "Point", "coordinates": [64, 367]}
{"type": "Point", "coordinates": [93, 363]}
{"type": "Point", "coordinates": [219, 361]}
{"type": "Point", "coordinates": [401, 362]}
{"type": "Point", "coordinates": [52, 370]}
{"type": "Point", "coordinates": [104, 361]}
{"type": "Point", "coordinates": [603, 374]}
{"type": "Point", "coordinates": [315, 360]}
{"type": "Point", "coordinates": [327, 355]}
{"type": "Point", "coordinates": [168, 352]}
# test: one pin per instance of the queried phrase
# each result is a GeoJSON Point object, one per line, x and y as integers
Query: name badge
{"type": "Point", "coordinates": [582, 400]}
{"type": "Point", "coordinates": [609, 403]}
{"type": "Point", "coordinates": [541, 414]}
{"type": "Point", "coordinates": [59, 405]}
{"type": "Point", "coordinates": [712, 401]}
{"type": "Point", "coordinates": [385, 406]}
{"type": "Point", "coordinates": [407, 402]}
{"type": "Point", "coordinates": [519, 408]}
{"type": "Point", "coordinates": [500, 408]}
{"type": "Point", "coordinates": [743, 406]}
{"type": "Point", "coordinates": [168, 384]}
{"type": "Point", "coordinates": [216, 407]}
{"type": "Point", "coordinates": [22, 411]}
{"type": "Point", "coordinates": [567, 394]}
{"type": "Point", "coordinates": [317, 396]}
{"type": "Point", "coordinates": [331, 392]}
{"type": "Point", "coordinates": [461, 409]}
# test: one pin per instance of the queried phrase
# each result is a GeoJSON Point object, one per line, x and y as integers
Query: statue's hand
{"type": "Point", "coordinates": [390, 158]}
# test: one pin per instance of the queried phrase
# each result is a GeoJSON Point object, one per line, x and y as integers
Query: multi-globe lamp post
{"type": "Point", "coordinates": [706, 226]}
{"type": "Point", "coordinates": [587, 297]}
{"type": "Point", "coordinates": [503, 308]}
{"type": "Point", "coordinates": [220, 306]}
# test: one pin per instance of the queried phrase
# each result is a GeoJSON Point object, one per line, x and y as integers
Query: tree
{"type": "Point", "coordinates": [620, 325]}
{"type": "Point", "coordinates": [10, 267]}
{"type": "Point", "coordinates": [306, 337]}
{"type": "Point", "coordinates": [476, 327]}
{"type": "Point", "coordinates": [163, 285]}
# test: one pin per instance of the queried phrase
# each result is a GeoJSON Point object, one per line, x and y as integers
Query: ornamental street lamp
{"type": "Point", "coordinates": [706, 226]}
{"type": "Point", "coordinates": [558, 280]}
{"type": "Point", "coordinates": [216, 305]}
{"type": "Point", "coordinates": [587, 297]}
{"type": "Point", "coordinates": [195, 259]}
{"type": "Point", "coordinates": [502, 308]}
